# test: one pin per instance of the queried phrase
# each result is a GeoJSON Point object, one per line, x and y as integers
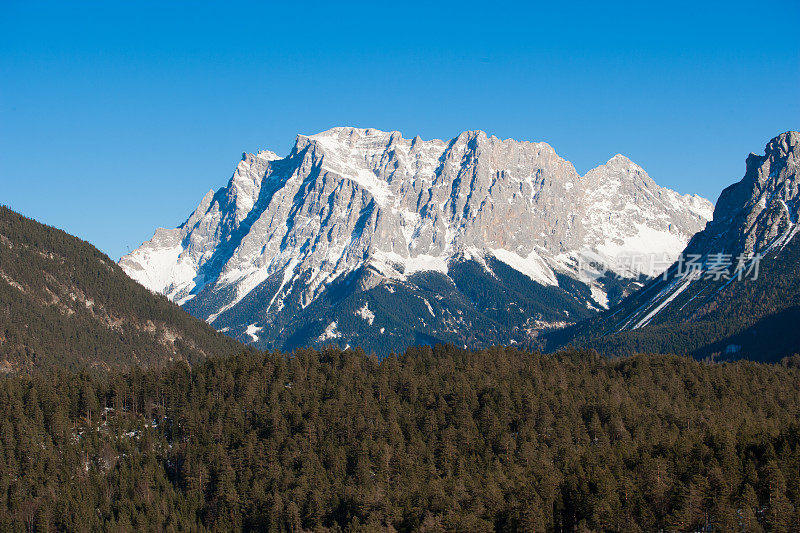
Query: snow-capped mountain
{"type": "Point", "coordinates": [738, 281]}
{"type": "Point", "coordinates": [362, 237]}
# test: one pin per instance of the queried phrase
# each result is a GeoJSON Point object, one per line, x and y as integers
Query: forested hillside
{"type": "Point", "coordinates": [437, 439]}
{"type": "Point", "coordinates": [753, 318]}
{"type": "Point", "coordinates": [64, 303]}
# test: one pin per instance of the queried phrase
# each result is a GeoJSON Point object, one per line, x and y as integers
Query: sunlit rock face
{"type": "Point", "coordinates": [475, 240]}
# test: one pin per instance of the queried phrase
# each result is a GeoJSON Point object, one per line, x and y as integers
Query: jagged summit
{"type": "Point", "coordinates": [373, 210]}
{"type": "Point", "coordinates": [752, 214]}
{"type": "Point", "coordinates": [352, 133]}
{"type": "Point", "coordinates": [743, 286]}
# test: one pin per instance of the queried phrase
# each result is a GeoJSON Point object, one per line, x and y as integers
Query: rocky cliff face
{"type": "Point", "coordinates": [738, 287]}
{"type": "Point", "coordinates": [475, 232]}
{"type": "Point", "coordinates": [762, 209]}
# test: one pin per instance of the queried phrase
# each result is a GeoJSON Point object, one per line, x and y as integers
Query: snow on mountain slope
{"type": "Point", "coordinates": [349, 211]}
{"type": "Point", "coordinates": [753, 217]}
{"type": "Point", "coordinates": [738, 279]}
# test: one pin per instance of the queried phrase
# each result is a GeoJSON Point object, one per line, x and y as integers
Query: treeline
{"type": "Point", "coordinates": [437, 439]}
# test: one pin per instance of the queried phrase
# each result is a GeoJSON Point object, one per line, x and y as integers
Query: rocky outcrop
{"type": "Point", "coordinates": [762, 209]}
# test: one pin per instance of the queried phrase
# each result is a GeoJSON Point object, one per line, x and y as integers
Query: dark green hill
{"type": "Point", "coordinates": [65, 303]}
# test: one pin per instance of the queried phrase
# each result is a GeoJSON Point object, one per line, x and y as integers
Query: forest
{"type": "Point", "coordinates": [65, 303]}
{"type": "Point", "coordinates": [757, 315]}
{"type": "Point", "coordinates": [435, 439]}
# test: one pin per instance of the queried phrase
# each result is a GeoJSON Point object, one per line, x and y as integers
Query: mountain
{"type": "Point", "coordinates": [360, 236]}
{"type": "Point", "coordinates": [63, 303]}
{"type": "Point", "coordinates": [736, 293]}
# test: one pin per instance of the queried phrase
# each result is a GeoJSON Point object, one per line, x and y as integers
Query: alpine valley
{"type": "Point", "coordinates": [122, 412]}
{"type": "Point", "coordinates": [361, 237]}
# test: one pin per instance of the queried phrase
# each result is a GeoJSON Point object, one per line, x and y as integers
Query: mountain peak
{"type": "Point", "coordinates": [621, 160]}
{"type": "Point", "coordinates": [618, 162]}
{"type": "Point", "coordinates": [763, 207]}
{"type": "Point", "coordinates": [352, 210]}
{"type": "Point", "coordinates": [743, 279]}
{"type": "Point", "coordinates": [783, 144]}
{"type": "Point", "coordinates": [267, 155]}
{"type": "Point", "coordinates": [344, 132]}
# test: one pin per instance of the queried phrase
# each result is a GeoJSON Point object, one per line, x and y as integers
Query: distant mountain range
{"type": "Point", "coordinates": [63, 303]}
{"type": "Point", "coordinates": [361, 237]}
{"type": "Point", "coordinates": [736, 293]}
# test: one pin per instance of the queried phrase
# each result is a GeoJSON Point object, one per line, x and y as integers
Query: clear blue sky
{"type": "Point", "coordinates": [116, 117]}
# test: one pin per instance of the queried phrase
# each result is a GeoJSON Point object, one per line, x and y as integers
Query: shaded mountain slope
{"type": "Point", "coordinates": [65, 303]}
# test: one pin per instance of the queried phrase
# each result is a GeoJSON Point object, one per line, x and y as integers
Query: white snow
{"type": "Point", "coordinates": [249, 281]}
{"type": "Point", "coordinates": [365, 313]}
{"type": "Point", "coordinates": [367, 179]}
{"type": "Point", "coordinates": [330, 332]}
{"type": "Point", "coordinates": [267, 155]}
{"type": "Point", "coordinates": [532, 266]}
{"type": "Point", "coordinates": [158, 264]}
{"type": "Point", "coordinates": [387, 263]}
{"type": "Point", "coordinates": [418, 224]}
{"type": "Point", "coordinates": [428, 305]}
{"type": "Point", "coordinates": [599, 296]}
{"type": "Point", "coordinates": [349, 163]}
{"type": "Point", "coordinates": [646, 241]}
{"type": "Point", "coordinates": [784, 239]}
{"type": "Point", "coordinates": [252, 329]}
{"type": "Point", "coordinates": [425, 262]}
{"type": "Point", "coordinates": [682, 285]}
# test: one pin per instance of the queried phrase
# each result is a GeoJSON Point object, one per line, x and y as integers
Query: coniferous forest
{"type": "Point", "coordinates": [436, 439]}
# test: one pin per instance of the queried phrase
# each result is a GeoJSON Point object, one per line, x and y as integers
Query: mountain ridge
{"type": "Point", "coordinates": [736, 292]}
{"type": "Point", "coordinates": [375, 207]}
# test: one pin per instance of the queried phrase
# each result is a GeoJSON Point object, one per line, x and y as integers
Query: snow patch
{"type": "Point", "coordinates": [365, 313]}
{"type": "Point", "coordinates": [395, 266]}
{"type": "Point", "coordinates": [251, 330]}
{"type": "Point", "coordinates": [648, 251]}
{"type": "Point", "coordinates": [599, 296]}
{"type": "Point", "coordinates": [430, 309]}
{"type": "Point", "coordinates": [252, 279]}
{"type": "Point", "coordinates": [532, 266]}
{"type": "Point", "coordinates": [682, 286]}
{"type": "Point", "coordinates": [158, 265]}
{"type": "Point", "coordinates": [329, 333]}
